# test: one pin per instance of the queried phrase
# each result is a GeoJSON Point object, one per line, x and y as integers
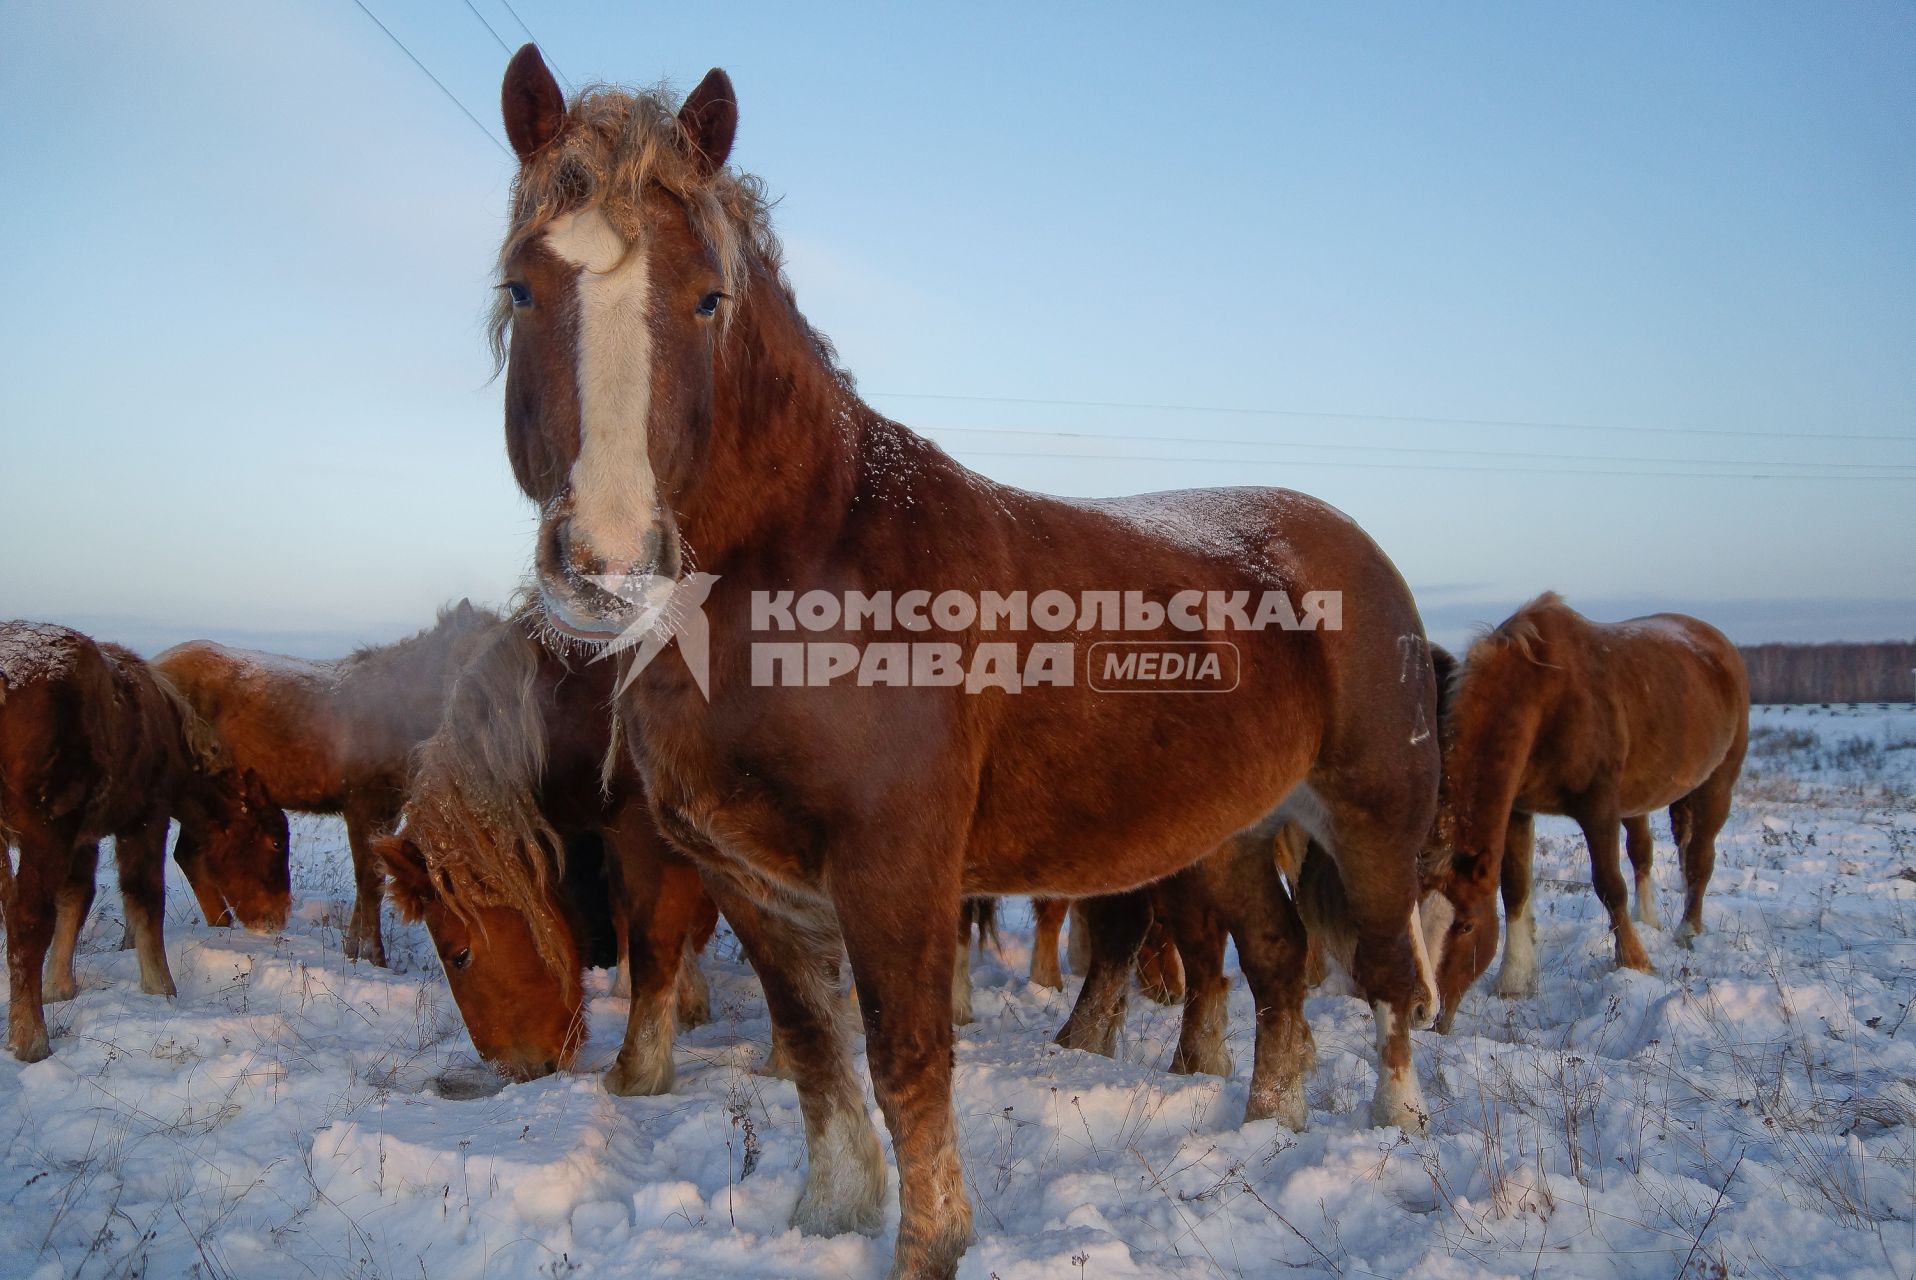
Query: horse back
{"type": "Point", "coordinates": [88, 737]}
{"type": "Point", "coordinates": [276, 714]}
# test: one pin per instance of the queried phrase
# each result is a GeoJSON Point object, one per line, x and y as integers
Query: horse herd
{"type": "Point", "coordinates": [1357, 797]}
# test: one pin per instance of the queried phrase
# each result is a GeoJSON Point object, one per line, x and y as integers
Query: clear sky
{"type": "Point", "coordinates": [244, 388]}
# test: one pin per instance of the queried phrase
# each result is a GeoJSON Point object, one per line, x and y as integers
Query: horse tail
{"type": "Point", "coordinates": [1318, 889]}
{"type": "Point", "coordinates": [981, 915]}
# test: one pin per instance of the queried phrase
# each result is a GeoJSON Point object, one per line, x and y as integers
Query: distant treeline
{"type": "Point", "coordinates": [1831, 672]}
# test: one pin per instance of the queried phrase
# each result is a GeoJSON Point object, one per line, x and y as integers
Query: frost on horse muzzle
{"type": "Point", "coordinates": [585, 596]}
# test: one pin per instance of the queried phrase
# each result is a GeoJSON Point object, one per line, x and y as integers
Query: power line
{"type": "Point", "coordinates": [1386, 417]}
{"type": "Point", "coordinates": [535, 39]}
{"type": "Point", "coordinates": [1422, 466]}
{"type": "Point", "coordinates": [450, 96]}
{"type": "Point", "coordinates": [1457, 453]}
{"type": "Point", "coordinates": [497, 38]}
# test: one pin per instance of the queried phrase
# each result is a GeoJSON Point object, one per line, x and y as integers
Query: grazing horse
{"type": "Point", "coordinates": [1180, 911]}
{"type": "Point", "coordinates": [521, 768]}
{"type": "Point", "coordinates": [668, 407]}
{"type": "Point", "coordinates": [334, 736]}
{"type": "Point", "coordinates": [94, 744]}
{"type": "Point", "coordinates": [1600, 722]}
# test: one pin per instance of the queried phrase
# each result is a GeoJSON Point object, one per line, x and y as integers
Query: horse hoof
{"type": "Point", "coordinates": [371, 950]}
{"type": "Point", "coordinates": [57, 991]}
{"type": "Point", "coordinates": [163, 987]}
{"type": "Point", "coordinates": [1203, 1063]}
{"type": "Point", "coordinates": [1407, 1114]}
{"type": "Point", "coordinates": [1687, 934]}
{"type": "Point", "coordinates": [622, 1081]}
{"type": "Point", "coordinates": [777, 1066]}
{"type": "Point", "coordinates": [36, 1049]}
{"type": "Point", "coordinates": [1513, 989]}
{"type": "Point", "coordinates": [1288, 1108]}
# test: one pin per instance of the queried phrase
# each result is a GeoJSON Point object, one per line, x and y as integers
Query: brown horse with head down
{"type": "Point", "coordinates": [667, 406]}
{"type": "Point", "coordinates": [336, 736]}
{"type": "Point", "coordinates": [522, 765]}
{"type": "Point", "coordinates": [94, 744]}
{"type": "Point", "coordinates": [1600, 722]}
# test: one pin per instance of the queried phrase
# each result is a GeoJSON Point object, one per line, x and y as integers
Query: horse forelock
{"type": "Point", "coordinates": [615, 143]}
{"type": "Point", "coordinates": [473, 810]}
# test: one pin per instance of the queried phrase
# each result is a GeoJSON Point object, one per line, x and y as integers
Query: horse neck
{"type": "Point", "coordinates": [1492, 727]}
{"type": "Point", "coordinates": [787, 433]}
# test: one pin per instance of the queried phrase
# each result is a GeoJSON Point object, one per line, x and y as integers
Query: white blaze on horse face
{"type": "Point", "coordinates": [615, 495]}
{"type": "Point", "coordinates": [1436, 914]}
{"type": "Point", "coordinates": [1426, 971]}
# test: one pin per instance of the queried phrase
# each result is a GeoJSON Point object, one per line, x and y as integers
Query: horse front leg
{"type": "Point", "coordinates": [1048, 923]}
{"type": "Point", "coordinates": [899, 913]}
{"type": "Point", "coordinates": [1642, 849]}
{"type": "Point", "coordinates": [141, 854]}
{"type": "Point", "coordinates": [1518, 975]}
{"type": "Point", "coordinates": [1116, 925]}
{"type": "Point", "coordinates": [366, 816]}
{"type": "Point", "coordinates": [796, 960]}
{"type": "Point", "coordinates": [1602, 832]}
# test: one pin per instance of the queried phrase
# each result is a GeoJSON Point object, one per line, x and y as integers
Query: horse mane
{"type": "Point", "coordinates": [613, 144]}
{"type": "Point", "coordinates": [205, 749]}
{"type": "Point", "coordinates": [473, 807]}
{"type": "Point", "coordinates": [1519, 633]}
{"type": "Point", "coordinates": [450, 623]}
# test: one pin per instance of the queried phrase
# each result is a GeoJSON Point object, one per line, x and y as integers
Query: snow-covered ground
{"type": "Point", "coordinates": [1746, 1111]}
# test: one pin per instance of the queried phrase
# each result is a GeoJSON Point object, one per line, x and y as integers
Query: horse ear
{"type": "Point", "coordinates": [709, 121]}
{"type": "Point", "coordinates": [464, 611]}
{"type": "Point", "coordinates": [407, 877]}
{"type": "Point", "coordinates": [531, 102]}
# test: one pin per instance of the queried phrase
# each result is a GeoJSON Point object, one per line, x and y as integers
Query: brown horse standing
{"type": "Point", "coordinates": [666, 404]}
{"type": "Point", "coordinates": [333, 737]}
{"type": "Point", "coordinates": [93, 744]}
{"type": "Point", "coordinates": [1603, 723]}
{"type": "Point", "coordinates": [516, 771]}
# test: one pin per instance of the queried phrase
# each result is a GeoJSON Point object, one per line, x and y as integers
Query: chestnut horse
{"type": "Point", "coordinates": [667, 406]}
{"type": "Point", "coordinates": [515, 774]}
{"type": "Point", "coordinates": [94, 744]}
{"type": "Point", "coordinates": [1600, 722]}
{"type": "Point", "coordinates": [333, 736]}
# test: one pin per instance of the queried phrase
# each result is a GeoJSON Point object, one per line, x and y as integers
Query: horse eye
{"type": "Point", "coordinates": [520, 295]}
{"type": "Point", "coordinates": [708, 305]}
{"type": "Point", "coordinates": [463, 959]}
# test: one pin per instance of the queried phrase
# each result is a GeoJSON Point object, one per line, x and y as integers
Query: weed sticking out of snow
{"type": "Point", "coordinates": [1746, 1111]}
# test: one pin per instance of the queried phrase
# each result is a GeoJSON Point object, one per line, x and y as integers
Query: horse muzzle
{"type": "Point", "coordinates": [582, 595]}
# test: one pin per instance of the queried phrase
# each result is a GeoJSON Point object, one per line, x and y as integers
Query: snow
{"type": "Point", "coordinates": [1746, 1111]}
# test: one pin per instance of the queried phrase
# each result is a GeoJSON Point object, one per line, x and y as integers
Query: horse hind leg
{"type": "Point", "coordinates": [1375, 861]}
{"type": "Point", "coordinates": [141, 854]}
{"type": "Point", "coordinates": [1695, 820]}
{"type": "Point", "coordinates": [1117, 924]}
{"type": "Point", "coordinates": [1642, 850]}
{"type": "Point", "coordinates": [1251, 901]}
{"type": "Point", "coordinates": [1517, 976]}
{"type": "Point", "coordinates": [1193, 920]}
{"type": "Point", "coordinates": [30, 910]}
{"type": "Point", "coordinates": [72, 902]}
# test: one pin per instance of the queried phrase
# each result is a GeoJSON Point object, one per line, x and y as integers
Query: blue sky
{"type": "Point", "coordinates": [244, 389]}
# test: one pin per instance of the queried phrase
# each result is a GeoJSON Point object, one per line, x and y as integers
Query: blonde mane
{"type": "Point", "coordinates": [473, 809]}
{"type": "Point", "coordinates": [1518, 632]}
{"type": "Point", "coordinates": [613, 145]}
